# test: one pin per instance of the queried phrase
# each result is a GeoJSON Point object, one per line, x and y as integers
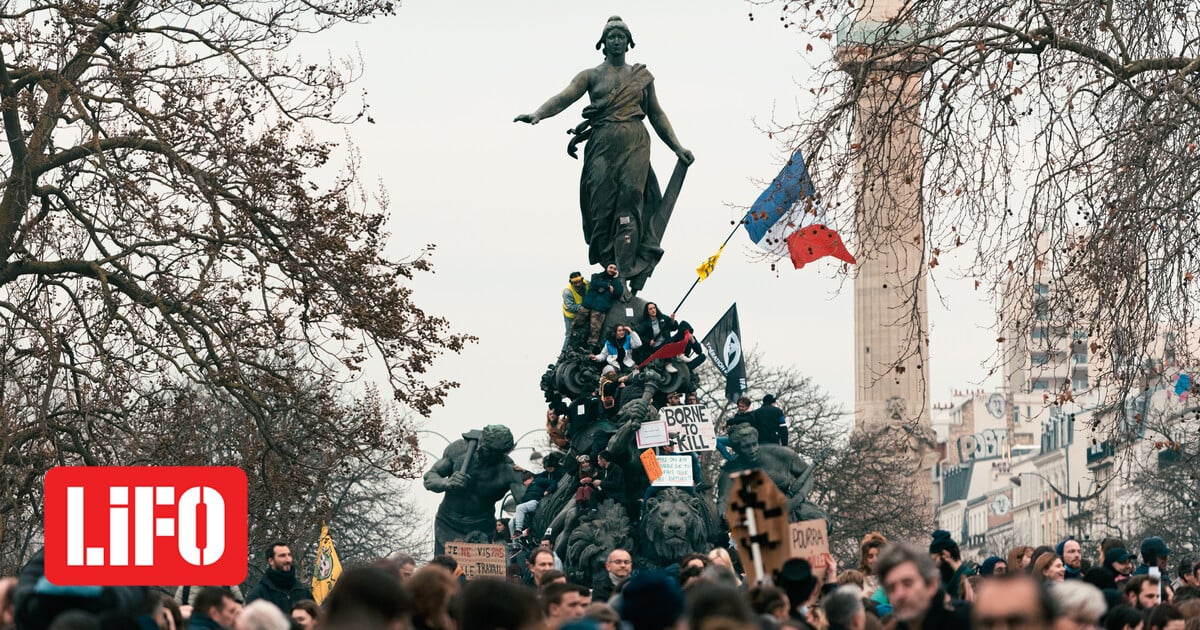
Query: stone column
{"type": "Point", "coordinates": [890, 313]}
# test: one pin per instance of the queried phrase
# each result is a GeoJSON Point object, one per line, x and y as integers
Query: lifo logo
{"type": "Point", "coordinates": [128, 525]}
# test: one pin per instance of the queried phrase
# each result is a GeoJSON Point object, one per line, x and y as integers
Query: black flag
{"type": "Point", "coordinates": [724, 347]}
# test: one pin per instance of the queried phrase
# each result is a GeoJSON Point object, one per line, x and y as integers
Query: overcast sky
{"type": "Point", "coordinates": [500, 200]}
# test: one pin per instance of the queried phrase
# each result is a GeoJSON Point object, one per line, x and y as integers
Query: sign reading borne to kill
{"type": "Point", "coordinates": [478, 560]}
{"type": "Point", "coordinates": [690, 429]}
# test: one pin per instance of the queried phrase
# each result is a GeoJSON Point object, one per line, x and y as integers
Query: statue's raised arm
{"type": "Point", "coordinates": [557, 103]}
{"type": "Point", "coordinates": [625, 214]}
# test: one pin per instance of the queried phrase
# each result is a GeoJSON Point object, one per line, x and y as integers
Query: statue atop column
{"type": "Point", "coordinates": [474, 472]}
{"type": "Point", "coordinates": [624, 212]}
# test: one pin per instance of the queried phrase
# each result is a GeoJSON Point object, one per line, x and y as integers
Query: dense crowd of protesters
{"type": "Point", "coordinates": [894, 585]}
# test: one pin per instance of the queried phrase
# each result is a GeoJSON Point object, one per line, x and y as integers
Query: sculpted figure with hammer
{"type": "Point", "coordinates": [474, 472]}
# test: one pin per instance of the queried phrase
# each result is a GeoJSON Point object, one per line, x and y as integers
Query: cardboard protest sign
{"type": "Point", "coordinates": [653, 434]}
{"type": "Point", "coordinates": [810, 540]}
{"type": "Point", "coordinates": [478, 560]}
{"type": "Point", "coordinates": [676, 471]}
{"type": "Point", "coordinates": [691, 430]}
{"type": "Point", "coordinates": [650, 464]}
{"type": "Point", "coordinates": [758, 523]}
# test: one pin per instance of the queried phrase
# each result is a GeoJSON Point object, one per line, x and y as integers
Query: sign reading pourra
{"type": "Point", "coordinates": [478, 560]}
{"type": "Point", "coordinates": [810, 540]}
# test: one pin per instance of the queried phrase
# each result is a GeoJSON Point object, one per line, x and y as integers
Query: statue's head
{"type": "Point", "coordinates": [744, 438]}
{"type": "Point", "coordinates": [495, 443]}
{"type": "Point", "coordinates": [614, 25]}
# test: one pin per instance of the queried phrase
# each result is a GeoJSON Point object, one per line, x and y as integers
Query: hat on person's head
{"type": "Point", "coordinates": [584, 458]}
{"type": "Point", "coordinates": [1058, 549]}
{"type": "Point", "coordinates": [1154, 548]}
{"type": "Point", "coordinates": [574, 274]}
{"type": "Point", "coordinates": [608, 369]}
{"type": "Point", "coordinates": [797, 580]}
{"type": "Point", "coordinates": [1118, 554]}
{"type": "Point", "coordinates": [769, 399]}
{"type": "Point", "coordinates": [651, 600]}
{"type": "Point", "coordinates": [989, 566]}
{"type": "Point", "coordinates": [941, 542]}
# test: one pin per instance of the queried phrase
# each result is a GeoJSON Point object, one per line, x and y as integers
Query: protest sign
{"type": "Point", "coordinates": [676, 471]}
{"type": "Point", "coordinates": [810, 540]}
{"type": "Point", "coordinates": [650, 465]}
{"type": "Point", "coordinates": [477, 560]}
{"type": "Point", "coordinates": [758, 523]}
{"type": "Point", "coordinates": [691, 430]}
{"type": "Point", "coordinates": [653, 434]}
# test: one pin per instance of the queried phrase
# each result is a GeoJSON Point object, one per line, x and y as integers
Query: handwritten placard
{"type": "Point", "coordinates": [653, 434]}
{"type": "Point", "coordinates": [676, 471]}
{"type": "Point", "coordinates": [690, 429]}
{"type": "Point", "coordinates": [650, 464]}
{"type": "Point", "coordinates": [810, 541]}
{"type": "Point", "coordinates": [477, 560]}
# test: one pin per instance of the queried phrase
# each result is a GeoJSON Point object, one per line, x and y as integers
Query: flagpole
{"type": "Point", "coordinates": [697, 280]}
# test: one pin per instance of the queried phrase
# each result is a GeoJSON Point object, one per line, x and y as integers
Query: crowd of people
{"type": "Point", "coordinates": [894, 585]}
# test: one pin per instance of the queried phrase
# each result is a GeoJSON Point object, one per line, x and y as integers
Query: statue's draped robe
{"type": "Point", "coordinates": [618, 193]}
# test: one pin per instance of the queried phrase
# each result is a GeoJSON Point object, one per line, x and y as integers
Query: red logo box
{"type": "Point", "coordinates": [145, 525]}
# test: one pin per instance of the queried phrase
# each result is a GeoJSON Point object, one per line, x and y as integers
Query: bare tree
{"type": "Point", "coordinates": [1053, 145]}
{"type": "Point", "coordinates": [168, 217]}
{"type": "Point", "coordinates": [857, 478]}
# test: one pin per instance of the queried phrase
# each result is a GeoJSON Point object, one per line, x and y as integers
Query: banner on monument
{"type": "Point", "coordinates": [478, 560]}
{"type": "Point", "coordinates": [676, 471]}
{"type": "Point", "coordinates": [690, 428]}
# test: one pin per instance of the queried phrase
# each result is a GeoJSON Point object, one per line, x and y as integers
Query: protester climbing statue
{"type": "Point", "coordinates": [624, 214]}
{"type": "Point", "coordinates": [474, 472]}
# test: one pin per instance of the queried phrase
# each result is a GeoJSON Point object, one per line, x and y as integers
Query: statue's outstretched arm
{"type": "Point", "coordinates": [662, 127]}
{"type": "Point", "coordinates": [557, 103]}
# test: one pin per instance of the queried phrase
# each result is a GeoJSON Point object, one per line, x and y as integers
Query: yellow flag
{"type": "Point", "coordinates": [709, 265]}
{"type": "Point", "coordinates": [329, 568]}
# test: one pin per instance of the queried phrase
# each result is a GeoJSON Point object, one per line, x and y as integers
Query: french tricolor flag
{"type": "Point", "coordinates": [787, 220]}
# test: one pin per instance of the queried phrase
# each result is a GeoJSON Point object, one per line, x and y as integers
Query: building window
{"type": "Point", "coordinates": [1041, 289]}
{"type": "Point", "coordinates": [1039, 333]}
{"type": "Point", "coordinates": [1079, 383]}
{"type": "Point", "coordinates": [1041, 383]}
{"type": "Point", "coordinates": [1039, 358]}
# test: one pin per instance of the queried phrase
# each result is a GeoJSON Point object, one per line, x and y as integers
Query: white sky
{"type": "Point", "coordinates": [500, 200]}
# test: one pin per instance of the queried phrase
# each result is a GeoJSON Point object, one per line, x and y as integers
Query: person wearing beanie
{"type": "Point", "coordinates": [796, 578]}
{"type": "Point", "coordinates": [993, 566]}
{"type": "Point", "coordinates": [651, 601]}
{"type": "Point", "coordinates": [954, 571]}
{"type": "Point", "coordinates": [1072, 557]}
{"type": "Point", "coordinates": [1155, 554]}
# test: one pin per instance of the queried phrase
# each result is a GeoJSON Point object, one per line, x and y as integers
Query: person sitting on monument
{"type": "Point", "coordinates": [609, 480]}
{"type": "Point", "coordinates": [604, 287]}
{"type": "Point", "coordinates": [743, 415]}
{"type": "Point", "coordinates": [586, 492]}
{"type": "Point", "coordinates": [539, 486]}
{"type": "Point", "coordinates": [610, 384]}
{"type": "Point", "coordinates": [558, 427]}
{"type": "Point", "coordinates": [619, 349]}
{"type": "Point", "coordinates": [658, 329]}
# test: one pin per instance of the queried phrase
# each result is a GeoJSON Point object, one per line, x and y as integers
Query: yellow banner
{"type": "Point", "coordinates": [706, 268]}
{"type": "Point", "coordinates": [329, 568]}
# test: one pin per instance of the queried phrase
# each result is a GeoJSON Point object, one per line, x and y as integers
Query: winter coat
{"type": "Point", "coordinates": [601, 292]}
{"type": "Point", "coordinates": [281, 589]}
